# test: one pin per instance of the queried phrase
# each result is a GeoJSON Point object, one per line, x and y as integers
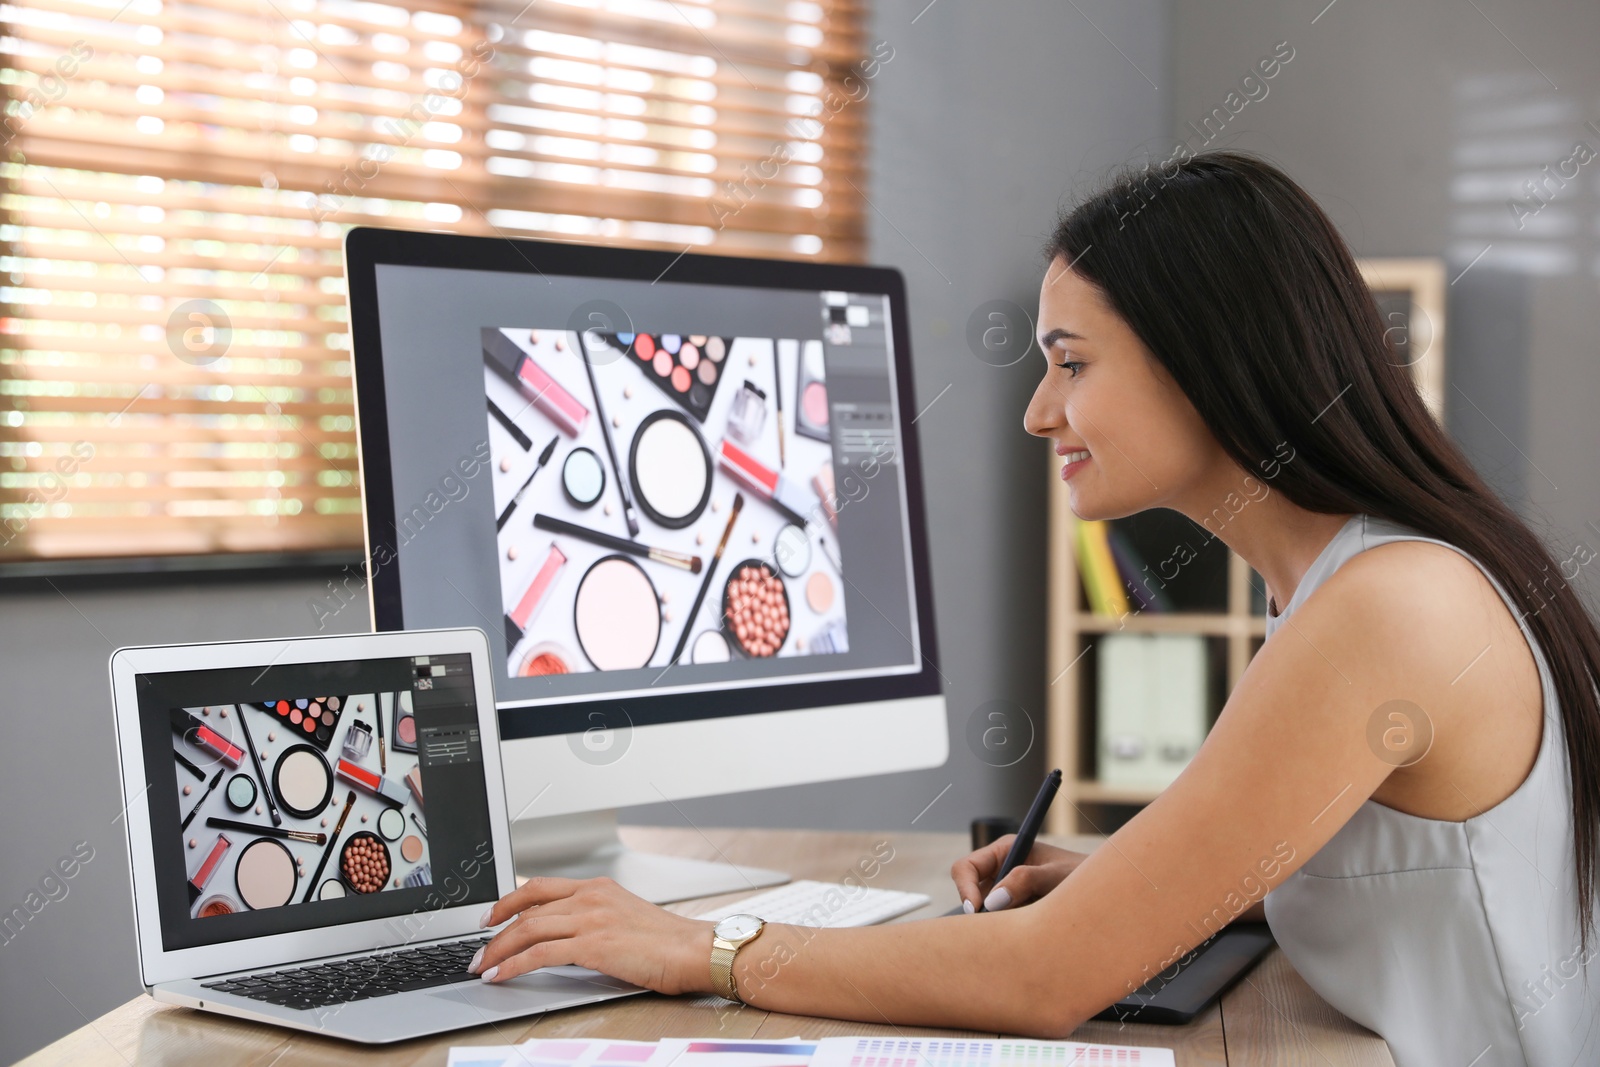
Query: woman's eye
{"type": "Point", "coordinates": [1071, 366]}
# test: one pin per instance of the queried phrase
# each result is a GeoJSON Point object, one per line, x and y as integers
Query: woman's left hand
{"type": "Point", "coordinates": [597, 924]}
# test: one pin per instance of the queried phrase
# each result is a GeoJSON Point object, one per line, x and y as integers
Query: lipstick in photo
{"type": "Point", "coordinates": [209, 867]}
{"type": "Point", "coordinates": [196, 732]}
{"type": "Point", "coordinates": [371, 781]}
{"type": "Point", "coordinates": [517, 618]}
{"type": "Point", "coordinates": [509, 361]}
{"type": "Point", "coordinates": [766, 483]}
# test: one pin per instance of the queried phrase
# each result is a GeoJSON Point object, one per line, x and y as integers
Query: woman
{"type": "Point", "coordinates": [1411, 763]}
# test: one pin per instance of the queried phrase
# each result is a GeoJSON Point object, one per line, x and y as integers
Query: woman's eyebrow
{"type": "Point", "coordinates": [1055, 335]}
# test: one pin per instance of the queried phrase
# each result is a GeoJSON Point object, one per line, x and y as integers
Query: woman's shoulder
{"type": "Point", "coordinates": [1422, 621]}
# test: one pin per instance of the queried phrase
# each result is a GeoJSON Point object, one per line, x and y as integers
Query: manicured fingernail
{"type": "Point", "coordinates": [488, 976]}
{"type": "Point", "coordinates": [999, 899]}
{"type": "Point", "coordinates": [484, 923]}
{"type": "Point", "coordinates": [477, 958]}
{"type": "Point", "coordinates": [966, 906]}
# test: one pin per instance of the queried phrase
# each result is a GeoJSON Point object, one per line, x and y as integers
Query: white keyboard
{"type": "Point", "coordinates": [823, 904]}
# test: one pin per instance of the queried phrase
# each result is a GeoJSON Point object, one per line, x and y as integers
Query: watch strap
{"type": "Point", "coordinates": [722, 954]}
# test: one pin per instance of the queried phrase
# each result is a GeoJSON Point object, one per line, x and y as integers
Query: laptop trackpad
{"type": "Point", "coordinates": [517, 996]}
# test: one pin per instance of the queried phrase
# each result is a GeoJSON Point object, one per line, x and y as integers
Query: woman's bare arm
{"type": "Point", "coordinates": [1286, 765]}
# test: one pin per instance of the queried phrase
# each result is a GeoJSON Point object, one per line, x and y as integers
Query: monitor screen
{"type": "Point", "coordinates": [290, 796]}
{"type": "Point", "coordinates": [659, 497]}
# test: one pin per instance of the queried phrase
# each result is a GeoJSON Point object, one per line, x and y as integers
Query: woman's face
{"type": "Point", "coordinates": [1132, 439]}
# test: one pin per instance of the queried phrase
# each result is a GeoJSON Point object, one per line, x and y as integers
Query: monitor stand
{"type": "Point", "coordinates": [586, 845]}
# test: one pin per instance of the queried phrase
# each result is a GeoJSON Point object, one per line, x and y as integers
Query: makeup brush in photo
{"type": "Point", "coordinates": [544, 457]}
{"type": "Point", "coordinates": [681, 560]}
{"type": "Point", "coordinates": [777, 399]}
{"type": "Point", "coordinates": [333, 839]}
{"type": "Point", "coordinates": [383, 760]}
{"type": "Point", "coordinates": [611, 449]}
{"type": "Point", "coordinates": [716, 557]}
{"type": "Point", "coordinates": [249, 743]}
{"type": "Point", "coordinates": [310, 837]}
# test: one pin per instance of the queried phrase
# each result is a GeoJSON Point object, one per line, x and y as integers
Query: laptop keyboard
{"type": "Point", "coordinates": [358, 978]}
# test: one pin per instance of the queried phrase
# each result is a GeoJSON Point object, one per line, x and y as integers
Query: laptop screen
{"type": "Point", "coordinates": [295, 796]}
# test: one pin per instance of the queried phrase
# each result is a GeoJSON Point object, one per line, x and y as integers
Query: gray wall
{"type": "Point", "coordinates": [981, 121]}
{"type": "Point", "coordinates": [985, 120]}
{"type": "Point", "coordinates": [1413, 124]}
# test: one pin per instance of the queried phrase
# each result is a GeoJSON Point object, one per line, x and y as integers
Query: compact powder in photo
{"type": "Point", "coordinates": [583, 478]}
{"type": "Point", "coordinates": [217, 905]}
{"type": "Point", "coordinates": [364, 862]}
{"type": "Point", "coordinates": [405, 724]}
{"type": "Point", "coordinates": [411, 848]}
{"type": "Point", "coordinates": [670, 468]}
{"type": "Point", "coordinates": [710, 647]}
{"type": "Point", "coordinates": [302, 782]}
{"type": "Point", "coordinates": [241, 792]}
{"type": "Point", "coordinates": [755, 608]}
{"type": "Point", "coordinates": [814, 402]}
{"type": "Point", "coordinates": [391, 824]}
{"type": "Point", "coordinates": [819, 592]}
{"type": "Point", "coordinates": [791, 551]}
{"type": "Point", "coordinates": [811, 420]}
{"type": "Point", "coordinates": [332, 889]}
{"type": "Point", "coordinates": [265, 874]}
{"type": "Point", "coordinates": [544, 659]}
{"type": "Point", "coordinates": [617, 615]}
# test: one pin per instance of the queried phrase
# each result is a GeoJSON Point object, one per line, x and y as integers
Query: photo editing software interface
{"type": "Point", "coordinates": [647, 488]}
{"type": "Point", "coordinates": [291, 796]}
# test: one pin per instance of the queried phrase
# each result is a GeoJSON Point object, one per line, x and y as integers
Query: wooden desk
{"type": "Point", "coordinates": [1271, 1017]}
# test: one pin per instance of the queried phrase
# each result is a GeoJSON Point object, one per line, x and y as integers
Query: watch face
{"type": "Point", "coordinates": [737, 927]}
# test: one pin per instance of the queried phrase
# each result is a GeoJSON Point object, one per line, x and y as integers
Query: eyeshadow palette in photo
{"type": "Point", "coordinates": [314, 719]}
{"type": "Point", "coordinates": [686, 368]}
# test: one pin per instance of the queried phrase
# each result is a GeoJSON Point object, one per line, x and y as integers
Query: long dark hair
{"type": "Point", "coordinates": [1239, 284]}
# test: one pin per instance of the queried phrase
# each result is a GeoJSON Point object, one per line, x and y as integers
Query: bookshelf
{"type": "Point", "coordinates": [1410, 297]}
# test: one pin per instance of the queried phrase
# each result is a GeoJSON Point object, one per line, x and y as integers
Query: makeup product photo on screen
{"type": "Point", "coordinates": [585, 591]}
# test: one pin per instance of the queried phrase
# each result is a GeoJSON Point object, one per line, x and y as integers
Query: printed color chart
{"type": "Point", "coordinates": [829, 1052]}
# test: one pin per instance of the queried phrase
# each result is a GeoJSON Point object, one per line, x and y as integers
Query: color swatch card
{"type": "Point", "coordinates": [555, 1053]}
{"type": "Point", "coordinates": [980, 1052]}
{"type": "Point", "coordinates": [708, 1052]}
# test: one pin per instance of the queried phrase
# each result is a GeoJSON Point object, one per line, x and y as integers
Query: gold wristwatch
{"type": "Point", "coordinates": [727, 938]}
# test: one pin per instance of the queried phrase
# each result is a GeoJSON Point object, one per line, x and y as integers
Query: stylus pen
{"type": "Point", "coordinates": [544, 457]}
{"type": "Point", "coordinates": [249, 743]}
{"type": "Point", "coordinates": [605, 432]}
{"type": "Point", "coordinates": [1032, 823]}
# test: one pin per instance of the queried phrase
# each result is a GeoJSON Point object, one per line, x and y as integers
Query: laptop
{"type": "Point", "coordinates": [316, 826]}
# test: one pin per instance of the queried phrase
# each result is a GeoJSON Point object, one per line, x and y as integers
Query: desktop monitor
{"type": "Point", "coordinates": [682, 496]}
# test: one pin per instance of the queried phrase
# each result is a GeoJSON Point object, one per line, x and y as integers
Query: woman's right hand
{"type": "Point", "coordinates": [1043, 870]}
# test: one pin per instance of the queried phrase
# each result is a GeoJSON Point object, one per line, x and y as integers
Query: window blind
{"type": "Point", "coordinates": [178, 176]}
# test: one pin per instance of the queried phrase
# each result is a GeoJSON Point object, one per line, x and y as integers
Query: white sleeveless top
{"type": "Point", "coordinates": [1455, 941]}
